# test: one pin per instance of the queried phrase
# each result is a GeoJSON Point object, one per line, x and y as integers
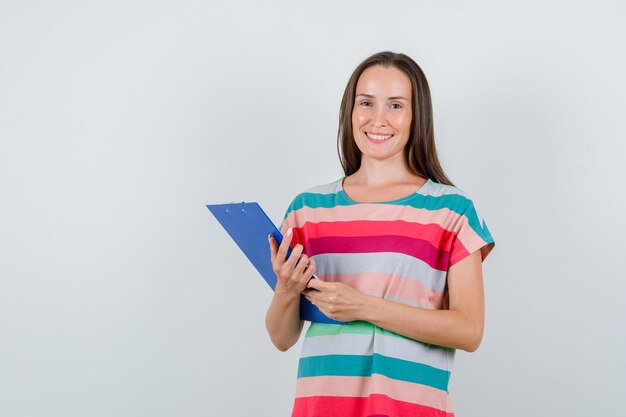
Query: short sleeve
{"type": "Point", "coordinates": [470, 234]}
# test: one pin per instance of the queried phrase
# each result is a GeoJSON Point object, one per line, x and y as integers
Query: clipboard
{"type": "Point", "coordinates": [248, 225]}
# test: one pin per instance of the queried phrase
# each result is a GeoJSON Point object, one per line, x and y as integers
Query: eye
{"type": "Point", "coordinates": [396, 106]}
{"type": "Point", "coordinates": [366, 103]}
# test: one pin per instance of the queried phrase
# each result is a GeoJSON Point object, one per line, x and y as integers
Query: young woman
{"type": "Point", "coordinates": [398, 251]}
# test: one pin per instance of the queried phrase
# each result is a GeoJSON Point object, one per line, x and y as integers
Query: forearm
{"type": "Point", "coordinates": [449, 328]}
{"type": "Point", "coordinates": [283, 319]}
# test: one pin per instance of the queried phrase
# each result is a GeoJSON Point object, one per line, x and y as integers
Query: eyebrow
{"type": "Point", "coordinates": [389, 98]}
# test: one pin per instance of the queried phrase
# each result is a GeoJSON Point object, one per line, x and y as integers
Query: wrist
{"type": "Point", "coordinates": [369, 308]}
{"type": "Point", "coordinates": [285, 293]}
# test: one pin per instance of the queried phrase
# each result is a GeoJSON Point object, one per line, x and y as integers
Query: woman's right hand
{"type": "Point", "coordinates": [292, 274]}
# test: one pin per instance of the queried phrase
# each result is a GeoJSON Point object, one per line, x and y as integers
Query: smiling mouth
{"type": "Point", "coordinates": [379, 138]}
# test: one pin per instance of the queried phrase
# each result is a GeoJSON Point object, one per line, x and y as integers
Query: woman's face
{"type": "Point", "coordinates": [382, 113]}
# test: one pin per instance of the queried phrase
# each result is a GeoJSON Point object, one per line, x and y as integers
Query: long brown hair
{"type": "Point", "coordinates": [420, 152]}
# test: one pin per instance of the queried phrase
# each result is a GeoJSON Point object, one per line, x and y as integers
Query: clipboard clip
{"type": "Point", "coordinates": [234, 202]}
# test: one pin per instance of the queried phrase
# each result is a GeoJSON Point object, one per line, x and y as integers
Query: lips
{"type": "Point", "coordinates": [379, 137]}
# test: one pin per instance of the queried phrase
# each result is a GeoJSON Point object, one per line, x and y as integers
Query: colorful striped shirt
{"type": "Point", "coordinates": [399, 250]}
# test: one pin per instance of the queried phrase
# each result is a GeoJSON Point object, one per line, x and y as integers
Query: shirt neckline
{"type": "Point", "coordinates": [399, 200]}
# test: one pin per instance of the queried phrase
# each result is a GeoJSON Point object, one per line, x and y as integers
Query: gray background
{"type": "Point", "coordinates": [120, 295]}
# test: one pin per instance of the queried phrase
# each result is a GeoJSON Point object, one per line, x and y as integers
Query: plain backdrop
{"type": "Point", "coordinates": [120, 294]}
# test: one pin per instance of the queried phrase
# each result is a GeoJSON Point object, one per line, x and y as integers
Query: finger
{"type": "Point", "coordinates": [302, 264]}
{"type": "Point", "coordinates": [295, 256]}
{"type": "Point", "coordinates": [284, 245]}
{"type": "Point", "coordinates": [303, 271]}
{"type": "Point", "coordinates": [321, 305]}
{"type": "Point", "coordinates": [309, 273]}
{"type": "Point", "coordinates": [311, 296]}
{"type": "Point", "coordinates": [318, 284]}
{"type": "Point", "coordinates": [311, 268]}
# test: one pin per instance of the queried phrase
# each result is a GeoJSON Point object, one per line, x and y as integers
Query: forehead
{"type": "Point", "coordinates": [384, 81]}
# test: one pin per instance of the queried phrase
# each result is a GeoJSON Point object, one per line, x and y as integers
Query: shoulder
{"type": "Point", "coordinates": [323, 195]}
{"type": "Point", "coordinates": [455, 199]}
{"type": "Point", "coordinates": [326, 188]}
{"type": "Point", "coordinates": [316, 195]}
{"type": "Point", "coordinates": [436, 189]}
{"type": "Point", "coordinates": [447, 196]}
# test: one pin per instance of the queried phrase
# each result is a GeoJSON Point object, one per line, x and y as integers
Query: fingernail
{"type": "Point", "coordinates": [289, 232]}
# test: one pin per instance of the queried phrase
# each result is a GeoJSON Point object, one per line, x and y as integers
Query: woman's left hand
{"type": "Point", "coordinates": [336, 300]}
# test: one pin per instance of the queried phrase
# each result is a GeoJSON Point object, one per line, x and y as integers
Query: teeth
{"type": "Point", "coordinates": [378, 137]}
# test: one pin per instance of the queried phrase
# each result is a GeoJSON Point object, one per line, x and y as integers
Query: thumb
{"type": "Point", "coordinates": [272, 248]}
{"type": "Point", "coordinates": [317, 284]}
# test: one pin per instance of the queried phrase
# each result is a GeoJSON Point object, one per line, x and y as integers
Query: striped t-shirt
{"type": "Point", "coordinates": [399, 250]}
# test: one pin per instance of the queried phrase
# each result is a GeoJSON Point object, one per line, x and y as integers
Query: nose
{"type": "Point", "coordinates": [379, 118]}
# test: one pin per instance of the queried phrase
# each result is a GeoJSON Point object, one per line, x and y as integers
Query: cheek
{"type": "Point", "coordinates": [358, 119]}
{"type": "Point", "coordinates": [404, 122]}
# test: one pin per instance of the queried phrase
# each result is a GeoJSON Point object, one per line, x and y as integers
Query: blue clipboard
{"type": "Point", "coordinates": [248, 225]}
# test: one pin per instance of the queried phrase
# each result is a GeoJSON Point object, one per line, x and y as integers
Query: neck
{"type": "Point", "coordinates": [375, 173]}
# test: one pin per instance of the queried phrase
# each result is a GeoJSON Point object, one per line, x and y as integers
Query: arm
{"type": "Point", "coordinates": [459, 327]}
{"type": "Point", "coordinates": [283, 316]}
{"type": "Point", "coordinates": [283, 319]}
